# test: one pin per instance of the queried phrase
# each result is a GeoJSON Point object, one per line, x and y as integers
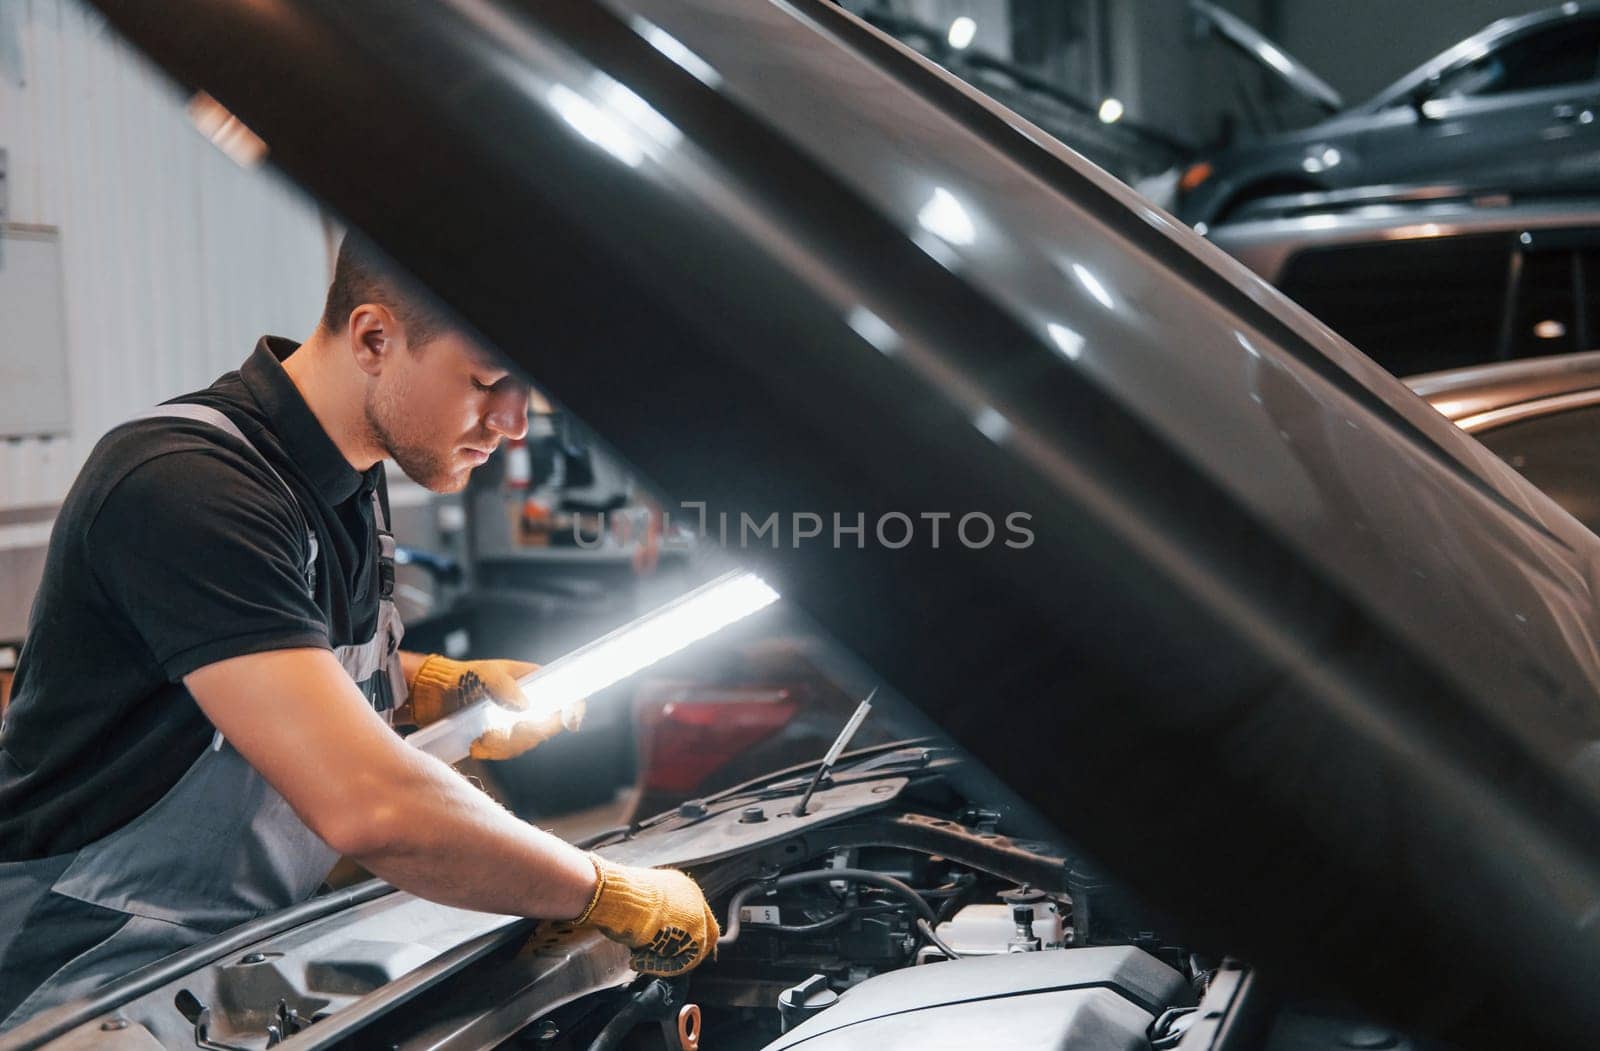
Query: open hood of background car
{"type": "Point", "coordinates": [1292, 656]}
{"type": "Point", "coordinates": [1247, 40]}
{"type": "Point", "coordinates": [1470, 50]}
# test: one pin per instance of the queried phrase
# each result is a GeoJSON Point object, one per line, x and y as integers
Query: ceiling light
{"type": "Point", "coordinates": [242, 146]}
{"type": "Point", "coordinates": [962, 32]}
{"type": "Point", "coordinates": [1111, 111]}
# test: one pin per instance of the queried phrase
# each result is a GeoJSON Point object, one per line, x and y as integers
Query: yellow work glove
{"type": "Point", "coordinates": [658, 913]}
{"type": "Point", "coordinates": [443, 686]}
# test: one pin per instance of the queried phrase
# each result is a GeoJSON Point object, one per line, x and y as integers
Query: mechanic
{"type": "Point", "coordinates": [204, 708]}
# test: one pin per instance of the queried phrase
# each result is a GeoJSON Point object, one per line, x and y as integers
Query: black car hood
{"type": "Point", "coordinates": [1307, 667]}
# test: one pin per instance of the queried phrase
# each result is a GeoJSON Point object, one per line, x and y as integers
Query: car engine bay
{"type": "Point", "coordinates": [925, 923]}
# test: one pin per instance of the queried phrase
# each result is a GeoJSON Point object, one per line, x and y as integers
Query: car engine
{"type": "Point", "coordinates": [928, 923]}
{"type": "Point", "coordinates": [895, 948]}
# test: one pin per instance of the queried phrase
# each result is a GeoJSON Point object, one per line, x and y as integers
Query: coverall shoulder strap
{"type": "Point", "coordinates": [220, 420]}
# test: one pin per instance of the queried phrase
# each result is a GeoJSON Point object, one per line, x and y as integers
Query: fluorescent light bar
{"type": "Point", "coordinates": [586, 671]}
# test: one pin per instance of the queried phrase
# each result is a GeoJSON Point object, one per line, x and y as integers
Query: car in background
{"type": "Point", "coordinates": [1541, 416]}
{"type": "Point", "coordinates": [1513, 106]}
{"type": "Point", "coordinates": [1432, 280]}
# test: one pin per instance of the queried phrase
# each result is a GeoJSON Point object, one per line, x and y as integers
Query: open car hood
{"type": "Point", "coordinates": [1304, 665]}
{"type": "Point", "coordinates": [1249, 41]}
{"type": "Point", "coordinates": [1472, 48]}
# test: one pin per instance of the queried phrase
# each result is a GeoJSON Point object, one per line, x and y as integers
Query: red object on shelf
{"type": "Point", "coordinates": [688, 733]}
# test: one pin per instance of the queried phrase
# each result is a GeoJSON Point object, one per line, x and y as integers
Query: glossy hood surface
{"type": "Point", "coordinates": [1306, 666]}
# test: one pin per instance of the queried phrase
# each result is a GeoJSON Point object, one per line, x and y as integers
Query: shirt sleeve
{"type": "Point", "coordinates": [203, 554]}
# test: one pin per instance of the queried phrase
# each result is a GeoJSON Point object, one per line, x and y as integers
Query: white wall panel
{"type": "Point", "coordinates": [175, 259]}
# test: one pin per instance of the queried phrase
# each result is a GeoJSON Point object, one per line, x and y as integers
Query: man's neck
{"type": "Point", "coordinates": [335, 392]}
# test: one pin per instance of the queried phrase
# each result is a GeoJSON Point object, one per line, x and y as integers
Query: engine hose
{"type": "Point", "coordinates": [651, 1000]}
{"type": "Point", "coordinates": [830, 921]}
{"type": "Point", "coordinates": [937, 942]}
{"type": "Point", "coordinates": [736, 906]}
{"type": "Point", "coordinates": [963, 886]}
{"type": "Point", "coordinates": [826, 923]}
{"type": "Point", "coordinates": [796, 879]}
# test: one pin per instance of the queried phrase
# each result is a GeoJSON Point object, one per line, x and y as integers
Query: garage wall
{"type": "Point", "coordinates": [1171, 77]}
{"type": "Point", "coordinates": [174, 258]}
{"type": "Point", "coordinates": [1362, 46]}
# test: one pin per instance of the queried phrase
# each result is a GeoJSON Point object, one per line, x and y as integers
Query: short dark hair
{"type": "Point", "coordinates": [361, 274]}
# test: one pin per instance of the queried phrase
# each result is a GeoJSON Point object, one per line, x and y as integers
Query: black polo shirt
{"type": "Point", "coordinates": [175, 549]}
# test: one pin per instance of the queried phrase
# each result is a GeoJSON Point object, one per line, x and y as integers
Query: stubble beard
{"type": "Point", "coordinates": [421, 463]}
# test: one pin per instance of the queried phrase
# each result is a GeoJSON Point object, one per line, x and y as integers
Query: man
{"type": "Point", "coordinates": [203, 709]}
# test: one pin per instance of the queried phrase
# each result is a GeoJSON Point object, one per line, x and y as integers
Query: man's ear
{"type": "Point", "coordinates": [375, 336]}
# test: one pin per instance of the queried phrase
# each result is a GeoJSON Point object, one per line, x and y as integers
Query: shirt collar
{"type": "Point", "coordinates": [292, 420]}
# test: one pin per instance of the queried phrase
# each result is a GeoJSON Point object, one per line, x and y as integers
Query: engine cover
{"type": "Point", "coordinates": [1088, 999]}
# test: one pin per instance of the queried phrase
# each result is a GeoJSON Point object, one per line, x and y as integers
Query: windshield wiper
{"type": "Point", "coordinates": [876, 762]}
{"type": "Point", "coordinates": [884, 758]}
{"type": "Point", "coordinates": [913, 751]}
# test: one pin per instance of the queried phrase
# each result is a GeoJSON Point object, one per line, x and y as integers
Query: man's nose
{"type": "Point", "coordinates": [508, 415]}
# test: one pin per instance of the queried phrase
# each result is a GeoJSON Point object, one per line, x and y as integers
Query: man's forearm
{"type": "Point", "coordinates": [403, 815]}
{"type": "Point", "coordinates": [414, 821]}
{"type": "Point", "coordinates": [442, 839]}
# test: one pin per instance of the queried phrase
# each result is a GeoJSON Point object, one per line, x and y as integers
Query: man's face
{"type": "Point", "coordinates": [441, 408]}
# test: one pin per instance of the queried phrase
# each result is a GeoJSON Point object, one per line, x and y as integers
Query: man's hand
{"type": "Point", "coordinates": [658, 913]}
{"type": "Point", "coordinates": [443, 686]}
